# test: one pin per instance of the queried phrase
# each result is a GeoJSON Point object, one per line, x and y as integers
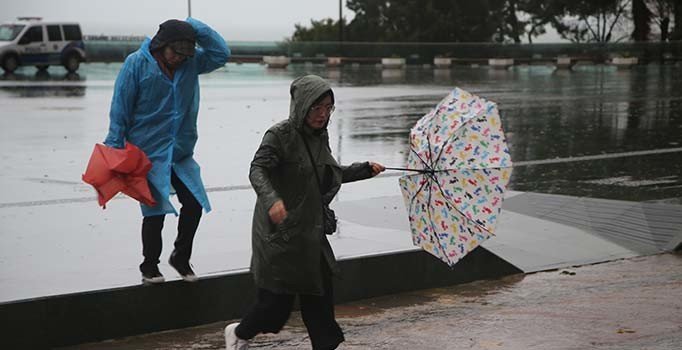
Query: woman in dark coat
{"type": "Point", "coordinates": [291, 253]}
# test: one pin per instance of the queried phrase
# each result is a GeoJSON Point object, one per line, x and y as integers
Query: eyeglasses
{"type": "Point", "coordinates": [323, 108]}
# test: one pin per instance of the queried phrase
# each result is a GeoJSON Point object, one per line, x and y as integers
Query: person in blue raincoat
{"type": "Point", "coordinates": [155, 106]}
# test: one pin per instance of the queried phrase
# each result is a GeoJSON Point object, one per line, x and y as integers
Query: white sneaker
{"type": "Point", "coordinates": [152, 277]}
{"type": "Point", "coordinates": [184, 269]}
{"type": "Point", "coordinates": [232, 342]}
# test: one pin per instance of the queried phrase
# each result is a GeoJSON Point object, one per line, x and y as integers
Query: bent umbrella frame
{"type": "Point", "coordinates": [463, 166]}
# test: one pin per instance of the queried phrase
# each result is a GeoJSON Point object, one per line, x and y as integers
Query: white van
{"type": "Point", "coordinates": [31, 42]}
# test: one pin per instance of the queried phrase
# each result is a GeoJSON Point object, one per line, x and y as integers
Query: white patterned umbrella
{"type": "Point", "coordinates": [463, 164]}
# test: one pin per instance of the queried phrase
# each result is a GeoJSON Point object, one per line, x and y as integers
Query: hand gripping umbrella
{"type": "Point", "coordinates": [463, 166]}
{"type": "Point", "coordinates": [111, 170]}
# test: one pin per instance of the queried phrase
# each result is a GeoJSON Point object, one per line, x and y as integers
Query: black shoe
{"type": "Point", "coordinates": [152, 276]}
{"type": "Point", "coordinates": [184, 269]}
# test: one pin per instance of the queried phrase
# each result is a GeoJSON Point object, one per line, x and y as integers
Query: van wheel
{"type": "Point", "coordinates": [42, 67]}
{"type": "Point", "coordinates": [10, 63]}
{"type": "Point", "coordinates": [72, 62]}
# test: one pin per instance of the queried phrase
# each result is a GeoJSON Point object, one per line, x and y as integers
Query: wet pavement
{"type": "Point", "coordinates": [53, 233]}
{"type": "Point", "coordinates": [52, 119]}
{"type": "Point", "coordinates": [630, 304]}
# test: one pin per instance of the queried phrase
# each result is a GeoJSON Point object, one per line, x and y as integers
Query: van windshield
{"type": "Point", "coordinates": [10, 31]}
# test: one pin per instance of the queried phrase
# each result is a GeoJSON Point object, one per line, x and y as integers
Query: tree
{"type": "Point", "coordinates": [505, 17]}
{"type": "Point", "coordinates": [423, 21]}
{"type": "Point", "coordinates": [592, 20]}
{"type": "Point", "coordinates": [540, 14]}
{"type": "Point", "coordinates": [677, 15]}
{"type": "Point", "coordinates": [475, 21]}
{"type": "Point", "coordinates": [515, 27]}
{"type": "Point", "coordinates": [499, 20]}
{"type": "Point", "coordinates": [323, 30]}
{"type": "Point", "coordinates": [662, 11]}
{"type": "Point", "coordinates": [641, 16]}
{"type": "Point", "coordinates": [370, 20]}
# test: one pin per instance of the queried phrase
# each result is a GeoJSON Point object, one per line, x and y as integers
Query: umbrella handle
{"type": "Point", "coordinates": [409, 169]}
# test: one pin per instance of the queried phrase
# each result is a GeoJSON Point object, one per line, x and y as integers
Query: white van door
{"type": "Point", "coordinates": [55, 43]}
{"type": "Point", "coordinates": [32, 47]}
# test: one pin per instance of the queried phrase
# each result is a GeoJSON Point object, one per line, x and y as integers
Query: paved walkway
{"type": "Point", "coordinates": [536, 232]}
{"type": "Point", "coordinates": [625, 304]}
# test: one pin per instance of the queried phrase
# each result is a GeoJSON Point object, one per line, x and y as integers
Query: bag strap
{"type": "Point", "coordinates": [325, 207]}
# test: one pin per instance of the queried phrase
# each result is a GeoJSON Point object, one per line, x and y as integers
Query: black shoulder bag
{"type": "Point", "coordinates": [328, 215]}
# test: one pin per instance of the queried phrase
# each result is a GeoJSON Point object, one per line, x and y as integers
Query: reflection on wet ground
{"type": "Point", "coordinates": [452, 295]}
{"type": "Point", "coordinates": [546, 113]}
{"type": "Point", "coordinates": [46, 91]}
{"type": "Point", "coordinates": [627, 305]}
{"type": "Point", "coordinates": [40, 75]}
{"type": "Point", "coordinates": [558, 114]}
{"type": "Point", "coordinates": [647, 178]}
{"type": "Point", "coordinates": [42, 83]}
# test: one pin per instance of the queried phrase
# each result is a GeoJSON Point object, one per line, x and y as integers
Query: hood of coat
{"type": "Point", "coordinates": [172, 31]}
{"type": "Point", "coordinates": [304, 91]}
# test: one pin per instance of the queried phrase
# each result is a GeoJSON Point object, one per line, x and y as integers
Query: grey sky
{"type": "Point", "coordinates": [265, 20]}
{"type": "Point", "coordinates": [236, 20]}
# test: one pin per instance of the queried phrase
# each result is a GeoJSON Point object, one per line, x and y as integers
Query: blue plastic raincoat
{"type": "Point", "coordinates": [159, 115]}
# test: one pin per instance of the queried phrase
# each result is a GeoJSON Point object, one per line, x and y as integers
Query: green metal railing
{"type": "Point", "coordinates": [117, 50]}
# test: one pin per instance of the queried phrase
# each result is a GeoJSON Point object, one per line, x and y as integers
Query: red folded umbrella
{"type": "Point", "coordinates": [112, 170]}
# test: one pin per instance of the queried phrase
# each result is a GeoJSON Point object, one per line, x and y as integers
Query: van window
{"type": "Point", "coordinates": [10, 31]}
{"type": "Point", "coordinates": [72, 32]}
{"type": "Point", "coordinates": [54, 33]}
{"type": "Point", "coordinates": [32, 35]}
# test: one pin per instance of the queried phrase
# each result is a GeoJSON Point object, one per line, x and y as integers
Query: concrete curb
{"type": "Point", "coordinates": [69, 319]}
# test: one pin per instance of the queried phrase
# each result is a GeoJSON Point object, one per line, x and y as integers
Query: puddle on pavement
{"type": "Point", "coordinates": [472, 292]}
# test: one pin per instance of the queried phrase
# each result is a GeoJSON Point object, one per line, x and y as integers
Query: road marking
{"type": "Point", "coordinates": [581, 158]}
{"type": "Point", "coordinates": [248, 187]}
{"type": "Point", "coordinates": [598, 157]}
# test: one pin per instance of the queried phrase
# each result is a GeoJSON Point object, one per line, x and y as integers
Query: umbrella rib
{"type": "Point", "coordinates": [440, 246]}
{"type": "Point", "coordinates": [443, 148]}
{"type": "Point", "coordinates": [417, 193]}
{"type": "Point", "coordinates": [428, 143]}
{"type": "Point", "coordinates": [420, 158]}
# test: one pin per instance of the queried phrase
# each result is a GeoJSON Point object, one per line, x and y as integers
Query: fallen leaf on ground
{"type": "Point", "coordinates": [625, 330]}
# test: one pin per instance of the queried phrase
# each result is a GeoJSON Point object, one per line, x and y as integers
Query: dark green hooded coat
{"type": "Point", "coordinates": [286, 257]}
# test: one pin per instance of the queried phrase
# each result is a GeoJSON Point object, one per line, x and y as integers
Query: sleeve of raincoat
{"type": "Point", "coordinates": [122, 105]}
{"type": "Point", "coordinates": [356, 171]}
{"type": "Point", "coordinates": [212, 52]}
{"type": "Point", "coordinates": [266, 159]}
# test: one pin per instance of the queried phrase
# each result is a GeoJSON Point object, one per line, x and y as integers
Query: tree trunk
{"type": "Point", "coordinates": [641, 16]}
{"type": "Point", "coordinates": [514, 21]}
{"type": "Point", "coordinates": [677, 32]}
{"type": "Point", "coordinates": [530, 36]}
{"type": "Point", "coordinates": [665, 24]}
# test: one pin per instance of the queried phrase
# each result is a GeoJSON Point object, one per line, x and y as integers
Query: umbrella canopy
{"type": "Point", "coordinates": [464, 167]}
{"type": "Point", "coordinates": [112, 170]}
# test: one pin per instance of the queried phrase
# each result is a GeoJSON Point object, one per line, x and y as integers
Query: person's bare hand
{"type": "Point", "coordinates": [376, 168]}
{"type": "Point", "coordinates": [277, 212]}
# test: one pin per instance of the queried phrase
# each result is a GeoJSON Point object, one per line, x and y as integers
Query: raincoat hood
{"type": "Point", "coordinates": [173, 31]}
{"type": "Point", "coordinates": [304, 91]}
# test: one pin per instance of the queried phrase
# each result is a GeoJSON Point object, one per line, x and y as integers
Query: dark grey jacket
{"type": "Point", "coordinates": [286, 257]}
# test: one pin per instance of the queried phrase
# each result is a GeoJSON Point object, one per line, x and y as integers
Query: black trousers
{"type": "Point", "coordinates": [271, 311]}
{"type": "Point", "coordinates": [190, 214]}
